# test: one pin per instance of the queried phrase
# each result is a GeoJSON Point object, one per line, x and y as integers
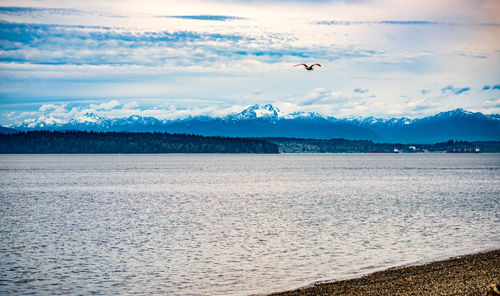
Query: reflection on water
{"type": "Point", "coordinates": [234, 224]}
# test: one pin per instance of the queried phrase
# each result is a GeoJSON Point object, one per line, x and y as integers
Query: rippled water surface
{"type": "Point", "coordinates": [235, 224]}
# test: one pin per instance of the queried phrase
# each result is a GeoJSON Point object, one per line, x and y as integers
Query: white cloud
{"type": "Point", "coordinates": [493, 103]}
{"type": "Point", "coordinates": [47, 107]}
{"type": "Point", "coordinates": [106, 106]}
{"type": "Point", "coordinates": [321, 96]}
{"type": "Point", "coordinates": [131, 105]}
{"type": "Point", "coordinates": [10, 114]}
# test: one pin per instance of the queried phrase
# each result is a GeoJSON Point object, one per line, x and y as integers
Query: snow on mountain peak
{"type": "Point", "coordinates": [259, 111]}
{"type": "Point", "coordinates": [459, 112]}
{"type": "Point", "coordinates": [371, 120]}
{"type": "Point", "coordinates": [305, 115]}
{"type": "Point", "coordinates": [42, 121]}
{"type": "Point", "coordinates": [88, 118]}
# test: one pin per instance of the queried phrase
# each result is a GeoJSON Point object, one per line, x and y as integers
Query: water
{"type": "Point", "coordinates": [235, 224]}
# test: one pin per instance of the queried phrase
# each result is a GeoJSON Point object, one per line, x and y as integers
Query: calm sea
{"type": "Point", "coordinates": [235, 224]}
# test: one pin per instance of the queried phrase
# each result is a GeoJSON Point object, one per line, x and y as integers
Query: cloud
{"type": "Point", "coordinates": [473, 55]}
{"type": "Point", "coordinates": [491, 87]}
{"type": "Point", "coordinates": [63, 44]}
{"type": "Point", "coordinates": [320, 96]}
{"type": "Point", "coordinates": [329, 102]}
{"type": "Point", "coordinates": [455, 91]}
{"type": "Point", "coordinates": [131, 105]}
{"type": "Point", "coordinates": [36, 11]}
{"type": "Point", "coordinates": [10, 114]}
{"type": "Point", "coordinates": [218, 52]}
{"type": "Point", "coordinates": [461, 90]}
{"type": "Point", "coordinates": [292, 1]}
{"type": "Point", "coordinates": [447, 88]}
{"type": "Point", "coordinates": [47, 107]}
{"type": "Point", "coordinates": [419, 105]}
{"type": "Point", "coordinates": [68, 44]}
{"type": "Point", "coordinates": [492, 104]}
{"type": "Point", "coordinates": [64, 112]}
{"type": "Point", "coordinates": [403, 23]}
{"type": "Point", "coordinates": [424, 91]}
{"type": "Point", "coordinates": [205, 17]}
{"type": "Point", "coordinates": [106, 106]}
{"type": "Point", "coordinates": [57, 110]}
{"type": "Point", "coordinates": [361, 91]}
{"type": "Point", "coordinates": [381, 22]}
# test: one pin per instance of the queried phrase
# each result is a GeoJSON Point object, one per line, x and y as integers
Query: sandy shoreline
{"type": "Point", "coordinates": [463, 275]}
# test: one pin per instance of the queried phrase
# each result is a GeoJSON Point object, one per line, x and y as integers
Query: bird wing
{"type": "Point", "coordinates": [317, 65]}
{"type": "Point", "coordinates": [301, 65]}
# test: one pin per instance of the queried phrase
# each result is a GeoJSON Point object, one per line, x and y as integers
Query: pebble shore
{"type": "Point", "coordinates": [464, 275]}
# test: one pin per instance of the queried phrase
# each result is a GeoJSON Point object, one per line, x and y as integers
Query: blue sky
{"type": "Point", "coordinates": [172, 59]}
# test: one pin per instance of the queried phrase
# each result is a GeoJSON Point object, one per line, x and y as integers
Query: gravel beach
{"type": "Point", "coordinates": [464, 275]}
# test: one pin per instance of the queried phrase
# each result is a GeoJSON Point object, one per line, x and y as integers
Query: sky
{"type": "Point", "coordinates": [172, 59]}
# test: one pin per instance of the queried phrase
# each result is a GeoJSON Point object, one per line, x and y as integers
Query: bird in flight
{"type": "Point", "coordinates": [308, 68]}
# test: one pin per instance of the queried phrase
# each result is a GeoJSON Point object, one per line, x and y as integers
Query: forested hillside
{"type": "Point", "coordinates": [111, 142]}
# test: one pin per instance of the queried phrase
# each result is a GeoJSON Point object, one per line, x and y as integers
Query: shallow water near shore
{"type": "Point", "coordinates": [235, 224]}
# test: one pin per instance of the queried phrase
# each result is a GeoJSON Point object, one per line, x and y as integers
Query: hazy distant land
{"type": "Point", "coordinates": [289, 145]}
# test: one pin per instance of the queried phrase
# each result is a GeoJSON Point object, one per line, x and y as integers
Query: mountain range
{"type": "Point", "coordinates": [269, 121]}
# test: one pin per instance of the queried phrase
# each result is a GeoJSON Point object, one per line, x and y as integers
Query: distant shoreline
{"type": "Point", "coordinates": [462, 275]}
{"type": "Point", "coordinates": [298, 145]}
{"type": "Point", "coordinates": [82, 142]}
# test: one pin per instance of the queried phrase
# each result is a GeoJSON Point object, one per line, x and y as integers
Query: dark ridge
{"type": "Point", "coordinates": [6, 130]}
{"type": "Point", "coordinates": [71, 142]}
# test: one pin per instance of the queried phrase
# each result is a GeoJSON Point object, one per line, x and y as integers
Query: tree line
{"type": "Point", "coordinates": [70, 142]}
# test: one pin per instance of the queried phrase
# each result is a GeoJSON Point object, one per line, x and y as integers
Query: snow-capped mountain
{"type": "Point", "coordinates": [306, 115]}
{"type": "Point", "coordinates": [370, 121]}
{"type": "Point", "coordinates": [269, 112]}
{"type": "Point", "coordinates": [269, 121]}
{"type": "Point", "coordinates": [88, 118]}
{"type": "Point", "coordinates": [456, 124]}
{"type": "Point", "coordinates": [42, 122]}
{"type": "Point", "coordinates": [257, 111]}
